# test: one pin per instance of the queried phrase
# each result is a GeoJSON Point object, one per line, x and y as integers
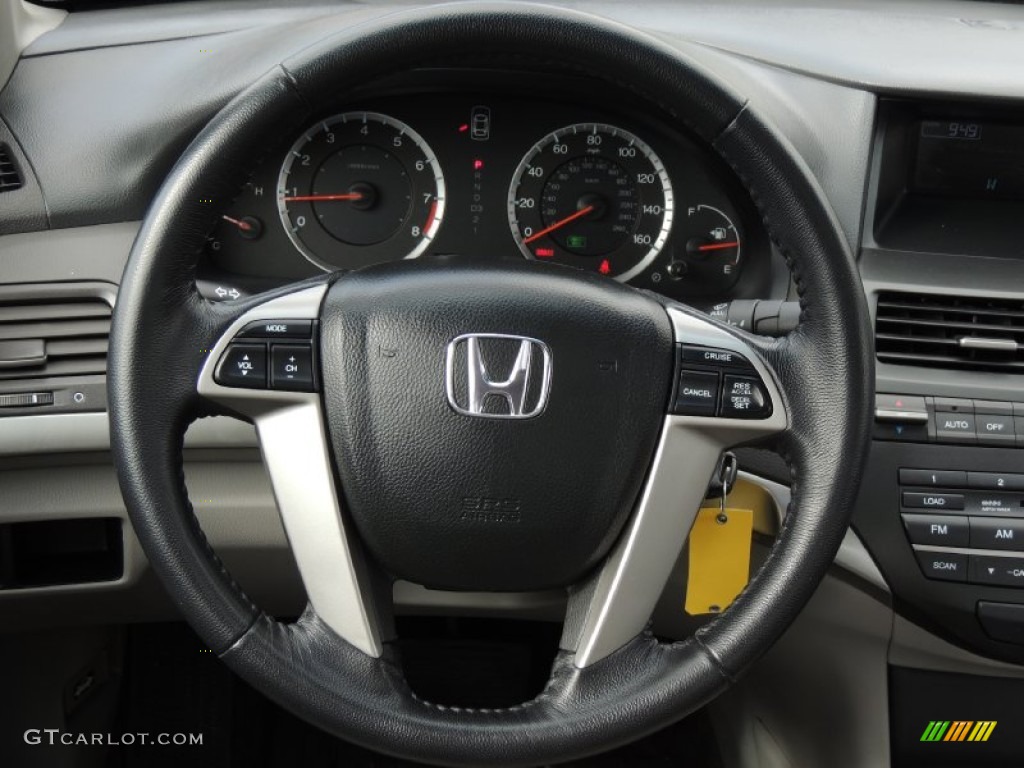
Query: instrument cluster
{"type": "Point", "coordinates": [595, 184]}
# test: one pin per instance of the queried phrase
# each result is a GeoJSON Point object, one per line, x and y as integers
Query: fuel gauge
{"type": "Point", "coordinates": [712, 248]}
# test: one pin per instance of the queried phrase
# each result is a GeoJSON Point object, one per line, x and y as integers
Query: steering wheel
{"type": "Point", "coordinates": [393, 461]}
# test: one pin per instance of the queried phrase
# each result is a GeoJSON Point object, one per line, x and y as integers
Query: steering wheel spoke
{"type": "Point", "coordinates": [264, 368]}
{"type": "Point", "coordinates": [733, 397]}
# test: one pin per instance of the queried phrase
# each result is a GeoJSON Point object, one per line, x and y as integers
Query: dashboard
{"type": "Point", "coordinates": [908, 115]}
{"type": "Point", "coordinates": [452, 162]}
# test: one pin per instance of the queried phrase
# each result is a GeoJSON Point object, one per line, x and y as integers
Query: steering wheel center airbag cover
{"type": "Point", "coordinates": [492, 423]}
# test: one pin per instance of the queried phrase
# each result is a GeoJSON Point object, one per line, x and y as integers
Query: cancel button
{"type": "Point", "coordinates": [697, 394]}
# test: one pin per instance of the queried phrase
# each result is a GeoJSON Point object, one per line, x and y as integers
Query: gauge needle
{"type": "Point", "coordinates": [323, 198]}
{"type": "Point", "coordinates": [718, 246]}
{"type": "Point", "coordinates": [559, 224]}
{"type": "Point", "coordinates": [245, 226]}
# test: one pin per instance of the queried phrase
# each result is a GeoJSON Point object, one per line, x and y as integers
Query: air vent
{"type": "Point", "coordinates": [9, 176]}
{"type": "Point", "coordinates": [965, 332]}
{"type": "Point", "coordinates": [53, 338]}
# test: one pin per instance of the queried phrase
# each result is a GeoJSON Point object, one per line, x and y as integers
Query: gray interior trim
{"type": "Point", "coordinates": [78, 253]}
{"type": "Point", "coordinates": [22, 23]}
{"type": "Point", "coordinates": [853, 556]}
{"type": "Point", "coordinates": [87, 432]}
{"type": "Point", "coordinates": [820, 696]}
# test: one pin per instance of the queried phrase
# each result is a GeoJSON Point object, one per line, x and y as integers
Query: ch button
{"type": "Point", "coordinates": [291, 367]}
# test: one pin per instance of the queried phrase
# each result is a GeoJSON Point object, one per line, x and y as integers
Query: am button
{"type": "Point", "coordinates": [997, 533]}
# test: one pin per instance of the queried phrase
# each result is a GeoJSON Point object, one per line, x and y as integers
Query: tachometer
{"type": "Point", "coordinates": [592, 196]}
{"type": "Point", "coordinates": [360, 188]}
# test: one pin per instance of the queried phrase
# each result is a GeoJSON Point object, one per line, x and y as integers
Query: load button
{"type": "Point", "coordinates": [952, 501]}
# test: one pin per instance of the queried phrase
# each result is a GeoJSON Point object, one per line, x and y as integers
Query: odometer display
{"type": "Point", "coordinates": [591, 196]}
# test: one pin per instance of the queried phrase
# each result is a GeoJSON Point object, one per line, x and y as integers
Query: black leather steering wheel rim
{"type": "Point", "coordinates": [825, 369]}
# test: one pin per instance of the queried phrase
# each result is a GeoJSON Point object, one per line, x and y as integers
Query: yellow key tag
{"type": "Point", "coordinates": [719, 559]}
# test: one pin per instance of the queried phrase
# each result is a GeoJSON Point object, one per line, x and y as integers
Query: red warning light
{"type": "Point", "coordinates": [544, 253]}
{"type": "Point", "coordinates": [478, 164]}
{"type": "Point", "coordinates": [605, 268]}
{"type": "Point", "coordinates": [464, 127]}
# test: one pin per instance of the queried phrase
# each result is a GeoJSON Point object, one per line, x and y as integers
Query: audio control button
{"type": "Point", "coordinates": [948, 501]}
{"type": "Point", "coordinates": [945, 566]}
{"type": "Point", "coordinates": [943, 530]}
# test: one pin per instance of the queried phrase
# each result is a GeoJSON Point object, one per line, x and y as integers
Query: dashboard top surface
{"type": "Point", "coordinates": [886, 46]}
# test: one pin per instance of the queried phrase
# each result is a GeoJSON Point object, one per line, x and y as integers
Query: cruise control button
{"type": "Point", "coordinates": [995, 430]}
{"type": "Point", "coordinates": [953, 501]}
{"type": "Point", "coordinates": [694, 355]}
{"type": "Point", "coordinates": [947, 566]}
{"type": "Point", "coordinates": [997, 533]}
{"type": "Point", "coordinates": [955, 427]}
{"type": "Point", "coordinates": [998, 571]}
{"type": "Point", "coordinates": [744, 398]}
{"type": "Point", "coordinates": [943, 530]}
{"type": "Point", "coordinates": [243, 365]}
{"type": "Point", "coordinates": [291, 367]}
{"type": "Point", "coordinates": [995, 481]}
{"type": "Point", "coordinates": [936, 478]}
{"type": "Point", "coordinates": [284, 329]}
{"type": "Point", "coordinates": [697, 394]}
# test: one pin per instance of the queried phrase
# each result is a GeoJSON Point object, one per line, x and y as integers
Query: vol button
{"type": "Point", "coordinates": [243, 365]}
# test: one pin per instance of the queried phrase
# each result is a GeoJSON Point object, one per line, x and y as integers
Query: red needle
{"type": "Point", "coordinates": [245, 226]}
{"type": "Point", "coordinates": [559, 224]}
{"type": "Point", "coordinates": [323, 198]}
{"type": "Point", "coordinates": [718, 246]}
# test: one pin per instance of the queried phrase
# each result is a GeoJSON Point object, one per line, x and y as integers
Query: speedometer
{"type": "Point", "coordinates": [360, 188]}
{"type": "Point", "coordinates": [592, 196]}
